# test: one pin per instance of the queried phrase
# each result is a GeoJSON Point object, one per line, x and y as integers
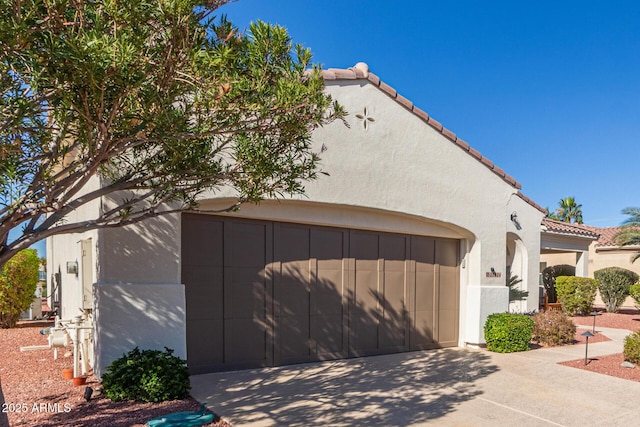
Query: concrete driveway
{"type": "Point", "coordinates": [452, 387]}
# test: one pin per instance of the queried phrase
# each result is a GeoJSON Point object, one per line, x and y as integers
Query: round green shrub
{"type": "Point", "coordinates": [634, 291]}
{"type": "Point", "coordinates": [553, 327]}
{"type": "Point", "coordinates": [508, 332]}
{"type": "Point", "coordinates": [549, 275]}
{"type": "Point", "coordinates": [614, 284]}
{"type": "Point", "coordinates": [576, 294]}
{"type": "Point", "coordinates": [148, 376]}
{"type": "Point", "coordinates": [632, 348]}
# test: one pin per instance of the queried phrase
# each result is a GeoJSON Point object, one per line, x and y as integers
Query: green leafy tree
{"type": "Point", "coordinates": [629, 234]}
{"type": "Point", "coordinates": [161, 101]}
{"type": "Point", "coordinates": [614, 284]}
{"type": "Point", "coordinates": [18, 282]}
{"type": "Point", "coordinates": [568, 211]}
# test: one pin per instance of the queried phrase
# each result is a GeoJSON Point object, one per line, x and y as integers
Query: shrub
{"type": "Point", "coordinates": [576, 294]}
{"type": "Point", "coordinates": [614, 284]}
{"type": "Point", "coordinates": [508, 332]}
{"type": "Point", "coordinates": [148, 376]}
{"type": "Point", "coordinates": [632, 348]}
{"type": "Point", "coordinates": [549, 275]}
{"type": "Point", "coordinates": [18, 281]}
{"type": "Point", "coordinates": [634, 291]}
{"type": "Point", "coordinates": [553, 327]}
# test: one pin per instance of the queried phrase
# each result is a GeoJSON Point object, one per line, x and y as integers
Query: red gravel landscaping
{"type": "Point", "coordinates": [33, 393]}
{"type": "Point", "coordinates": [611, 364]}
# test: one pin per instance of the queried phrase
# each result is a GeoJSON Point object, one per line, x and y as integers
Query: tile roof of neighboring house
{"type": "Point", "coordinates": [361, 71]}
{"type": "Point", "coordinates": [607, 235]}
{"type": "Point", "coordinates": [559, 227]}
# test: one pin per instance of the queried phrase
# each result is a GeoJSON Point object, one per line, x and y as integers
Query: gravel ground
{"type": "Point", "coordinates": [609, 365]}
{"type": "Point", "coordinates": [33, 393]}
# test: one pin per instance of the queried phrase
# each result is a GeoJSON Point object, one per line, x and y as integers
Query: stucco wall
{"type": "Point", "coordinates": [149, 316]}
{"type": "Point", "coordinates": [397, 174]}
{"type": "Point", "coordinates": [66, 248]}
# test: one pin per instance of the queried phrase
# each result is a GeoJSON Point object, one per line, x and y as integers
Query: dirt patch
{"type": "Point", "coordinates": [34, 392]}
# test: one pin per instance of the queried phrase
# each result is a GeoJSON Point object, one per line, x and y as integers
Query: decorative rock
{"type": "Point", "coordinates": [626, 364]}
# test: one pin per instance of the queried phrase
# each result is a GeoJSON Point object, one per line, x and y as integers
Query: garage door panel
{"type": "Point", "coordinates": [247, 300]}
{"type": "Point", "coordinates": [327, 333]}
{"type": "Point", "coordinates": [392, 333]}
{"type": "Point", "coordinates": [447, 327]}
{"type": "Point", "coordinates": [424, 328]}
{"type": "Point", "coordinates": [363, 247]}
{"type": "Point", "coordinates": [245, 341]}
{"type": "Point", "coordinates": [205, 297]}
{"type": "Point", "coordinates": [423, 251]}
{"type": "Point", "coordinates": [202, 234]}
{"type": "Point", "coordinates": [277, 293]}
{"type": "Point", "coordinates": [394, 291]}
{"type": "Point", "coordinates": [293, 338]}
{"type": "Point", "coordinates": [248, 245]}
{"type": "Point", "coordinates": [291, 298]}
{"type": "Point", "coordinates": [425, 290]}
{"type": "Point", "coordinates": [393, 250]}
{"type": "Point", "coordinates": [206, 339]}
{"type": "Point", "coordinates": [326, 293]}
{"type": "Point", "coordinates": [327, 246]}
{"type": "Point", "coordinates": [448, 298]}
{"type": "Point", "coordinates": [447, 252]}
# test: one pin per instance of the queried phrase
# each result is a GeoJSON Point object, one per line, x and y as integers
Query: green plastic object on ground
{"type": "Point", "coordinates": [183, 419]}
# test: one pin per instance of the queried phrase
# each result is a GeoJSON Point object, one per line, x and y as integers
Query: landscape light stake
{"type": "Point", "coordinates": [594, 314]}
{"type": "Point", "coordinates": [586, 334]}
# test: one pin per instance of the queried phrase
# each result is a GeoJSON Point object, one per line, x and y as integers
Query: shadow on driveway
{"type": "Point", "coordinates": [391, 390]}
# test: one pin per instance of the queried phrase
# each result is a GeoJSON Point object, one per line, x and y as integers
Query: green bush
{"type": "Point", "coordinates": [632, 348]}
{"type": "Point", "coordinates": [614, 284]}
{"type": "Point", "coordinates": [18, 281]}
{"type": "Point", "coordinates": [576, 294]}
{"type": "Point", "coordinates": [508, 332]}
{"type": "Point", "coordinates": [553, 327]}
{"type": "Point", "coordinates": [549, 275]}
{"type": "Point", "coordinates": [634, 291]}
{"type": "Point", "coordinates": [148, 376]}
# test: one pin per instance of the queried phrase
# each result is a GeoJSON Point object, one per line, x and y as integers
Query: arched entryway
{"type": "Point", "coordinates": [516, 265]}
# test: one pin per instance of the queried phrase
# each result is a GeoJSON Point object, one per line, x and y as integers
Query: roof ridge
{"type": "Point", "coordinates": [361, 71]}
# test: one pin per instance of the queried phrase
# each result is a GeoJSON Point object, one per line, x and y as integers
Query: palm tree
{"type": "Point", "coordinates": [568, 211]}
{"type": "Point", "coordinates": [629, 234]}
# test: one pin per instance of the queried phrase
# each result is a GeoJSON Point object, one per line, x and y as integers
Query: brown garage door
{"type": "Point", "coordinates": [263, 293]}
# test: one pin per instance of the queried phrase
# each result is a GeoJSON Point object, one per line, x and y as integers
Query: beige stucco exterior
{"type": "Point", "coordinates": [396, 174]}
{"type": "Point", "coordinates": [597, 257]}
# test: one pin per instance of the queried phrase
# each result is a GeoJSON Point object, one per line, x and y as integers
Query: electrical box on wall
{"type": "Point", "coordinates": [72, 267]}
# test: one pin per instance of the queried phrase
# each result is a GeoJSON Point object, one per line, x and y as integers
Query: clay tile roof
{"type": "Point", "coordinates": [361, 71]}
{"type": "Point", "coordinates": [607, 237]}
{"type": "Point", "coordinates": [529, 201]}
{"type": "Point", "coordinates": [559, 227]}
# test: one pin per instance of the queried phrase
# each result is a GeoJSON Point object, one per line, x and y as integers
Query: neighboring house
{"type": "Point", "coordinates": [405, 246]}
{"type": "Point", "coordinates": [566, 243]}
{"type": "Point", "coordinates": [586, 247]}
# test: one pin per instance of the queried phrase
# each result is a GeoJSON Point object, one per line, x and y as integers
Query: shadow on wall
{"type": "Point", "coordinates": [390, 390]}
{"type": "Point", "coordinates": [146, 252]}
{"type": "Point", "coordinates": [150, 316]}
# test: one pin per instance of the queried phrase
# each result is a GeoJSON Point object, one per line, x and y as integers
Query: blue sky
{"type": "Point", "coordinates": [549, 91]}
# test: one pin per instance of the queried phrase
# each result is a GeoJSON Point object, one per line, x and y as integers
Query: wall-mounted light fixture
{"type": "Point", "coordinates": [72, 267]}
{"type": "Point", "coordinates": [514, 219]}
